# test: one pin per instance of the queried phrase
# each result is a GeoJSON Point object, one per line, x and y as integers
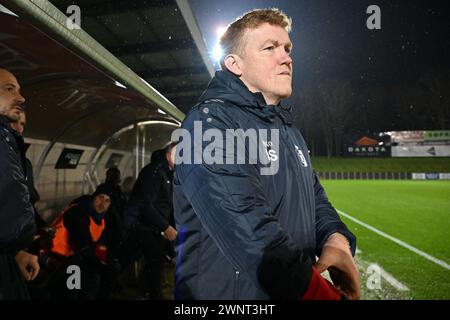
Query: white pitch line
{"type": "Point", "coordinates": [427, 256]}
{"type": "Point", "coordinates": [394, 282]}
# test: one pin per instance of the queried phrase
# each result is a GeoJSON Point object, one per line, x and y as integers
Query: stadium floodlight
{"type": "Point", "coordinates": [217, 52]}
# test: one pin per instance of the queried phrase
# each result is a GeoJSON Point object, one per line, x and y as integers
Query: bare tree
{"type": "Point", "coordinates": [436, 87]}
{"type": "Point", "coordinates": [306, 119]}
{"type": "Point", "coordinates": [410, 107]}
{"type": "Point", "coordinates": [375, 109]}
{"type": "Point", "coordinates": [335, 112]}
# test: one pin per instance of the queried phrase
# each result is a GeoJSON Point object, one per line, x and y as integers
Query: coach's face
{"type": "Point", "coordinates": [10, 98]}
{"type": "Point", "coordinates": [265, 65]}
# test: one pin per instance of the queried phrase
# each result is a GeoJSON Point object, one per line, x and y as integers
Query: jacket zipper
{"type": "Point", "coordinates": [236, 286]}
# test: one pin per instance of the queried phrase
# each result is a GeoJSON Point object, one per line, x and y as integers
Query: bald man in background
{"type": "Point", "coordinates": [17, 225]}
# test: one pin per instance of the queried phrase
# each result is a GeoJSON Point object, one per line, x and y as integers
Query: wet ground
{"type": "Point", "coordinates": [131, 285]}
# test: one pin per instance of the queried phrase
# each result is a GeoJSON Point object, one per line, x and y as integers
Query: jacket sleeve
{"type": "Point", "coordinates": [34, 194]}
{"type": "Point", "coordinates": [146, 198]}
{"type": "Point", "coordinates": [327, 219]}
{"type": "Point", "coordinates": [229, 201]}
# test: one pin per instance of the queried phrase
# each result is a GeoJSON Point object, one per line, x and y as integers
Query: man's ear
{"type": "Point", "coordinates": [233, 64]}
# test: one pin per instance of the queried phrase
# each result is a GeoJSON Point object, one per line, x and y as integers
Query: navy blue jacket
{"type": "Point", "coordinates": [150, 202]}
{"type": "Point", "coordinates": [17, 226]}
{"type": "Point", "coordinates": [228, 214]}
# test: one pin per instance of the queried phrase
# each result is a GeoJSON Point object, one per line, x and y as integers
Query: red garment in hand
{"type": "Point", "coordinates": [321, 289]}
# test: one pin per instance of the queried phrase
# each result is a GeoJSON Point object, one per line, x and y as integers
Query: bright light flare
{"type": "Point", "coordinates": [220, 31]}
{"type": "Point", "coordinates": [217, 52]}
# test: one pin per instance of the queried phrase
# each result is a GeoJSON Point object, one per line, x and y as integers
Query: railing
{"type": "Point", "coordinates": [366, 175]}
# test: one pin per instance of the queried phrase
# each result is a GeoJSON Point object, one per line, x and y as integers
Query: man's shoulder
{"type": "Point", "coordinates": [6, 135]}
{"type": "Point", "coordinates": [9, 150]}
{"type": "Point", "coordinates": [149, 173]}
{"type": "Point", "coordinates": [78, 206]}
{"type": "Point", "coordinates": [149, 169]}
{"type": "Point", "coordinates": [209, 111]}
{"type": "Point", "coordinates": [209, 106]}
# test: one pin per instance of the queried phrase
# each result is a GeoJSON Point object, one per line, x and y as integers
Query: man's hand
{"type": "Point", "coordinates": [170, 233]}
{"type": "Point", "coordinates": [337, 258]}
{"type": "Point", "coordinates": [28, 265]}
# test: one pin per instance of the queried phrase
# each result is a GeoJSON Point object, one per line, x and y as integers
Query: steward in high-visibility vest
{"type": "Point", "coordinates": [82, 225]}
{"type": "Point", "coordinates": [83, 237]}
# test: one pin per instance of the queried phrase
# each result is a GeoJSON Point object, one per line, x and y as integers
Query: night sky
{"type": "Point", "coordinates": [331, 41]}
{"type": "Point", "coordinates": [331, 38]}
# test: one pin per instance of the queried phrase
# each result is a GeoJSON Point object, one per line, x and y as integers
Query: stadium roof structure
{"type": "Point", "coordinates": [122, 80]}
{"type": "Point", "coordinates": [131, 62]}
{"type": "Point", "coordinates": [158, 39]}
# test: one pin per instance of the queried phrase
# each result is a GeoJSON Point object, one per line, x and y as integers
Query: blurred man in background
{"type": "Point", "coordinates": [149, 219]}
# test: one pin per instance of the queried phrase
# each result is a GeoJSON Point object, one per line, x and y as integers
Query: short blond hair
{"type": "Point", "coordinates": [232, 42]}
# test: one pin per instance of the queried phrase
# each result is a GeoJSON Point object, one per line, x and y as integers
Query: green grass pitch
{"type": "Point", "coordinates": [415, 212]}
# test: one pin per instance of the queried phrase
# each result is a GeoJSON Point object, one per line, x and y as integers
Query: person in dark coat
{"type": "Point", "coordinates": [127, 188]}
{"type": "Point", "coordinates": [149, 219]}
{"type": "Point", "coordinates": [19, 127]}
{"type": "Point", "coordinates": [17, 225]}
{"type": "Point", "coordinates": [250, 211]}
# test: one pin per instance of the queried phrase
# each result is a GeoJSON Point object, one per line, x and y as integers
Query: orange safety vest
{"type": "Point", "coordinates": [61, 244]}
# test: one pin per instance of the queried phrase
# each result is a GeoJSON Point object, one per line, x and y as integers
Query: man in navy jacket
{"type": "Point", "coordinates": [252, 217]}
{"type": "Point", "coordinates": [17, 226]}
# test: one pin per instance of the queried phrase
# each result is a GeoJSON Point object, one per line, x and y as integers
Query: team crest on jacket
{"type": "Point", "coordinates": [301, 156]}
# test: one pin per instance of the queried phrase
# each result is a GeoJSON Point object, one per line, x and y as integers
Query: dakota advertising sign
{"type": "Point", "coordinates": [369, 145]}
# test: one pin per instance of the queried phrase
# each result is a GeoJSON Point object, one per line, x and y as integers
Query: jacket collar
{"type": "Point", "coordinates": [227, 86]}
{"type": "Point", "coordinates": [5, 122]}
